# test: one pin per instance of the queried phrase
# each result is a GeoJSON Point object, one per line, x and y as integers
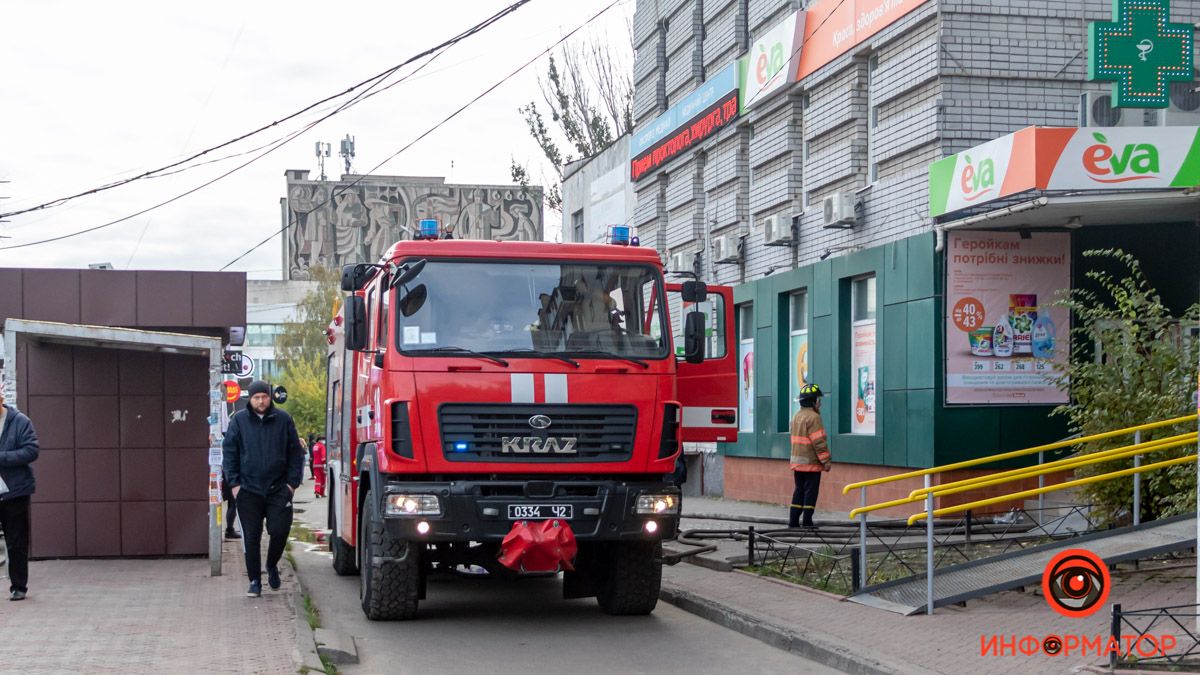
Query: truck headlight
{"type": "Point", "coordinates": [655, 505]}
{"type": "Point", "coordinates": [412, 505]}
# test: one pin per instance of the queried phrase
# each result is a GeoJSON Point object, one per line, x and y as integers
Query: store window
{"type": "Point", "coordinates": [861, 393]}
{"type": "Point", "coordinates": [745, 328]}
{"type": "Point", "coordinates": [797, 347]}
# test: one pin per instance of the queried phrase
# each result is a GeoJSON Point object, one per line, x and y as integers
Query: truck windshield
{"type": "Point", "coordinates": [553, 308]}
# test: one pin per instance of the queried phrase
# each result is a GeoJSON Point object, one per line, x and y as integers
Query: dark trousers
{"type": "Point", "coordinates": [276, 508]}
{"type": "Point", "coordinates": [14, 518]}
{"type": "Point", "coordinates": [804, 499]}
{"type": "Point", "coordinates": [230, 514]}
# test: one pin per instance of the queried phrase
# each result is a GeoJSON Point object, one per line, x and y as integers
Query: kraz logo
{"type": "Point", "coordinates": [524, 445]}
{"type": "Point", "coordinates": [976, 183]}
{"type": "Point", "coordinates": [1135, 161]}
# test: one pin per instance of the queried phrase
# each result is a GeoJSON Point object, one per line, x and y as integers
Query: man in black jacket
{"type": "Point", "coordinates": [18, 449]}
{"type": "Point", "coordinates": [263, 465]}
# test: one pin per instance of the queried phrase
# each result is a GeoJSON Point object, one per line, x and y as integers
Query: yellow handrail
{"type": "Point", "coordinates": [1019, 453]}
{"type": "Point", "coordinates": [1051, 488]}
{"type": "Point", "coordinates": [1040, 469]}
{"type": "Point", "coordinates": [1069, 462]}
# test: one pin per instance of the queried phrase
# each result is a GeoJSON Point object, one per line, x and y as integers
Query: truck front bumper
{"type": "Point", "coordinates": [485, 510]}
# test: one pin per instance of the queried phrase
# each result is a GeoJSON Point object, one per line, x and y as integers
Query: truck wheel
{"type": "Point", "coordinates": [390, 569]}
{"type": "Point", "coordinates": [345, 556]}
{"type": "Point", "coordinates": [632, 579]}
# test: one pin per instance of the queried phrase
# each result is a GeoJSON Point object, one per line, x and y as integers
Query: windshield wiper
{"type": "Point", "coordinates": [463, 350]}
{"type": "Point", "coordinates": [549, 355]}
{"type": "Point", "coordinates": [600, 352]}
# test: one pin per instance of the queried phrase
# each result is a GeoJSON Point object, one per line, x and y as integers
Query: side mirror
{"type": "Point", "coordinates": [693, 337]}
{"type": "Point", "coordinates": [694, 291]}
{"type": "Point", "coordinates": [355, 276]}
{"type": "Point", "coordinates": [356, 323]}
{"type": "Point", "coordinates": [413, 300]}
{"type": "Point", "coordinates": [279, 394]}
{"type": "Point", "coordinates": [408, 272]}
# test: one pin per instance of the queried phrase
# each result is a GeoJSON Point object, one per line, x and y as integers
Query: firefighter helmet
{"type": "Point", "coordinates": [810, 392]}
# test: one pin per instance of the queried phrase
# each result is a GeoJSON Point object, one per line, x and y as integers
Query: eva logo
{"type": "Point", "coordinates": [976, 183]}
{"type": "Point", "coordinates": [1135, 161]}
{"type": "Point", "coordinates": [767, 65]}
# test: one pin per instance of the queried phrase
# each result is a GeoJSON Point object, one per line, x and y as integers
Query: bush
{"type": "Point", "coordinates": [1147, 373]}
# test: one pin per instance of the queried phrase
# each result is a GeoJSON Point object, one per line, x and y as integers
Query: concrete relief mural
{"type": "Point", "coordinates": [360, 223]}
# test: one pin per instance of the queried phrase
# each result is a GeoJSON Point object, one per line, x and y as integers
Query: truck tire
{"type": "Point", "coordinates": [345, 562]}
{"type": "Point", "coordinates": [390, 569]}
{"type": "Point", "coordinates": [633, 577]}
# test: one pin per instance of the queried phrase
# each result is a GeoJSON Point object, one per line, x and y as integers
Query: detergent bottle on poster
{"type": "Point", "coordinates": [1043, 337]}
{"type": "Point", "coordinates": [1002, 338]}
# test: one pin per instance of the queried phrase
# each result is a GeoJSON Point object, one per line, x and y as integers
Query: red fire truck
{"type": "Point", "coordinates": [518, 407]}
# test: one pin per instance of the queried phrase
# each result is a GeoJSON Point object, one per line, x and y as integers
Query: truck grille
{"type": "Point", "coordinates": [473, 432]}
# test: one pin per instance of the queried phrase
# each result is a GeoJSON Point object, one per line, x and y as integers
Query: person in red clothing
{"type": "Point", "coordinates": [810, 455]}
{"type": "Point", "coordinates": [318, 455]}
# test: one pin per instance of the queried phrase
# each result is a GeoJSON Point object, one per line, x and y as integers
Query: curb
{"type": "Point", "coordinates": [814, 649]}
{"type": "Point", "coordinates": [306, 641]}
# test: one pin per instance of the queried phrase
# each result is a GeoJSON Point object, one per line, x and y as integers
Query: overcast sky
{"type": "Point", "coordinates": [94, 92]}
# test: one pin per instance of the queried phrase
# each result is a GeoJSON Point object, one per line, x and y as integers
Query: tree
{"type": "Point", "coordinates": [302, 351]}
{"type": "Point", "coordinates": [588, 95]}
{"type": "Point", "coordinates": [1147, 372]}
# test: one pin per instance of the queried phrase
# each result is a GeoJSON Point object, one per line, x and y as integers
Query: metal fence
{"type": "Point", "coordinates": [1140, 632]}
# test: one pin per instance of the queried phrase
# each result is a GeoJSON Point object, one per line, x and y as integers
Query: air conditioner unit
{"type": "Point", "coordinates": [1096, 110]}
{"type": "Point", "coordinates": [840, 210]}
{"type": "Point", "coordinates": [679, 262]}
{"type": "Point", "coordinates": [725, 248]}
{"type": "Point", "coordinates": [1184, 110]}
{"type": "Point", "coordinates": [776, 231]}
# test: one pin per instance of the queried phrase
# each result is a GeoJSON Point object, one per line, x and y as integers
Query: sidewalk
{"type": "Point", "coordinates": [148, 616]}
{"type": "Point", "coordinates": [859, 639]}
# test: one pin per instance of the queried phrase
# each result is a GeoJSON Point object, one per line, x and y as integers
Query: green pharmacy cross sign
{"type": "Point", "coordinates": [1140, 52]}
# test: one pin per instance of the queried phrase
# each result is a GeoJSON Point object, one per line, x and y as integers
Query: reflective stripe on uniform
{"type": "Point", "coordinates": [802, 440]}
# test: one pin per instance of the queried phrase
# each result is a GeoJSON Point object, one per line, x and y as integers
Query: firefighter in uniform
{"type": "Point", "coordinates": [810, 455]}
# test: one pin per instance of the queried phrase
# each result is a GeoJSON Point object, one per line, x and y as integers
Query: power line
{"type": "Point", "coordinates": [341, 190]}
{"type": "Point", "coordinates": [435, 51]}
{"type": "Point", "coordinates": [374, 79]}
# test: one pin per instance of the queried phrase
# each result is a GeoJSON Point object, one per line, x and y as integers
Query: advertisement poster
{"type": "Point", "coordinates": [798, 367]}
{"type": "Point", "coordinates": [862, 390]}
{"type": "Point", "coordinates": [746, 385]}
{"type": "Point", "coordinates": [1005, 338]}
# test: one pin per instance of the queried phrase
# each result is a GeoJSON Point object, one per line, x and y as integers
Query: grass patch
{"type": "Point", "coordinates": [311, 613]}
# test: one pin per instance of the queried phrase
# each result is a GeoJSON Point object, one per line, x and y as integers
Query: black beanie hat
{"type": "Point", "coordinates": [258, 387]}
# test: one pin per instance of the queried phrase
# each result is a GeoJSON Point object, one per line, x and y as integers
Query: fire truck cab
{"type": "Point", "coordinates": [518, 407]}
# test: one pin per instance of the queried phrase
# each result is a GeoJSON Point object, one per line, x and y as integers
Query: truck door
{"type": "Point", "coordinates": [707, 391]}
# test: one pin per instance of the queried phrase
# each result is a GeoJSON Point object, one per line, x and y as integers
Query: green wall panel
{"type": "Point", "coordinates": [895, 349]}
{"type": "Point", "coordinates": [922, 336]}
{"type": "Point", "coordinates": [921, 428]}
{"type": "Point", "coordinates": [895, 431]}
{"type": "Point", "coordinates": [895, 264]}
{"type": "Point", "coordinates": [921, 266]}
{"type": "Point", "coordinates": [822, 289]}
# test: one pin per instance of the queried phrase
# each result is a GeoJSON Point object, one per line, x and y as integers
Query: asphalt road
{"type": "Point", "coordinates": [479, 624]}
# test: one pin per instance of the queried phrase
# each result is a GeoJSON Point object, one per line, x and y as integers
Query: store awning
{"type": "Point", "coordinates": [1086, 210]}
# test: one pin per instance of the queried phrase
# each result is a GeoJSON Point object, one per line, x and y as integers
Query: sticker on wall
{"type": "Point", "coordinates": [746, 385]}
{"type": "Point", "coordinates": [862, 392]}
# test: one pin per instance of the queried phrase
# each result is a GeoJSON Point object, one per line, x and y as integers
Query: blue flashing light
{"type": "Point", "coordinates": [460, 447]}
{"type": "Point", "coordinates": [428, 228]}
{"type": "Point", "coordinates": [619, 235]}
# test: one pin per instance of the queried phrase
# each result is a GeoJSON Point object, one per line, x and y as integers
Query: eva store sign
{"type": "Point", "coordinates": [1066, 159]}
{"type": "Point", "coordinates": [771, 61]}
